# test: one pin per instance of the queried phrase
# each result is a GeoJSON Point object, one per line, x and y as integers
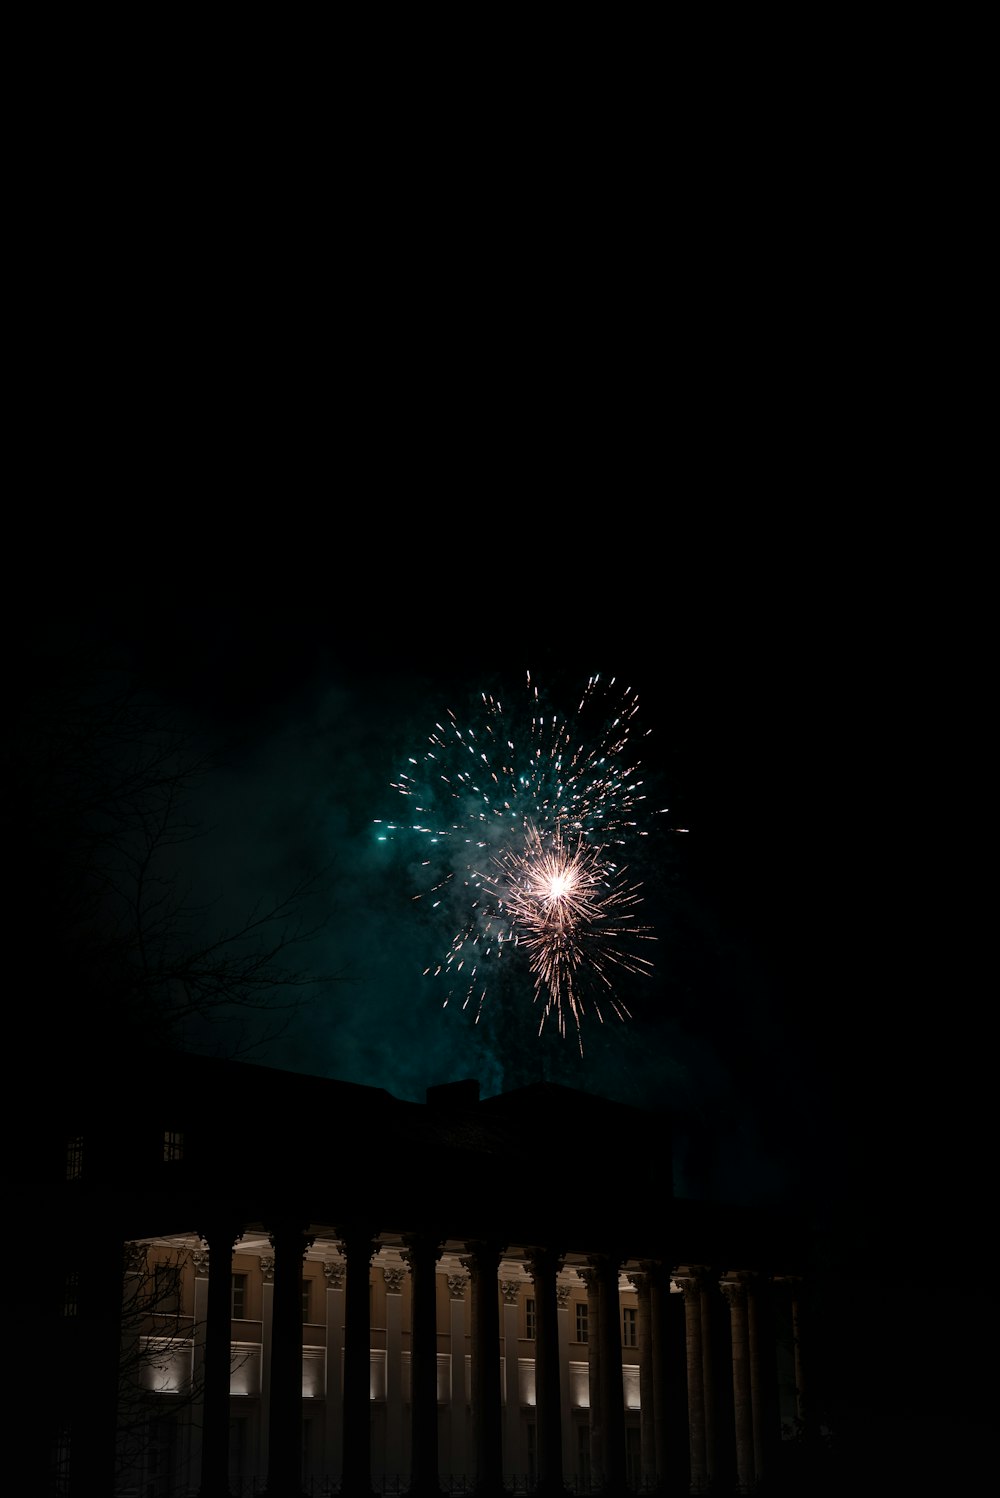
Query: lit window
{"type": "Point", "coordinates": [165, 1364]}
{"type": "Point", "coordinates": [628, 1326]}
{"type": "Point", "coordinates": [173, 1145]}
{"type": "Point", "coordinates": [74, 1158]}
{"type": "Point", "coordinates": [239, 1297]}
{"type": "Point", "coordinates": [581, 1321]}
{"type": "Point", "coordinates": [529, 1320]}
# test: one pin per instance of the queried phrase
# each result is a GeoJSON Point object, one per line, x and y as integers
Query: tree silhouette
{"type": "Point", "coordinates": [110, 946]}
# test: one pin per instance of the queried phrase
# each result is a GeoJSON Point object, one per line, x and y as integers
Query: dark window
{"type": "Point", "coordinates": [581, 1321]}
{"type": "Point", "coordinates": [529, 1320]}
{"type": "Point", "coordinates": [60, 1462]}
{"type": "Point", "coordinates": [71, 1292]}
{"type": "Point", "coordinates": [239, 1306]}
{"type": "Point", "coordinates": [306, 1284]}
{"type": "Point", "coordinates": [173, 1145]}
{"type": "Point", "coordinates": [167, 1289]}
{"type": "Point", "coordinates": [74, 1158]}
{"type": "Point", "coordinates": [628, 1326]}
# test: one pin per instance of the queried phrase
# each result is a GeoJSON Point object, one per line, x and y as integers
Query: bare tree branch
{"type": "Point", "coordinates": [108, 925]}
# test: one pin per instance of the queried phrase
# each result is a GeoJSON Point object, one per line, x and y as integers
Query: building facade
{"type": "Point", "coordinates": [285, 1285]}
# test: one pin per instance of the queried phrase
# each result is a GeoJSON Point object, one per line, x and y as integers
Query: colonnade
{"type": "Point", "coordinates": [729, 1396]}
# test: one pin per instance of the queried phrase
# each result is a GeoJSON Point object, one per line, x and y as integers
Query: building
{"type": "Point", "coordinates": [265, 1282]}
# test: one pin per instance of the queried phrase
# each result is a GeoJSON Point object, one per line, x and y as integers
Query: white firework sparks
{"type": "Point", "coordinates": [524, 818]}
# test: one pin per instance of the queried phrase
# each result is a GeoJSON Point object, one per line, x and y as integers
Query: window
{"type": "Point", "coordinates": [628, 1326]}
{"type": "Point", "coordinates": [238, 1309]}
{"type": "Point", "coordinates": [71, 1292]}
{"type": "Point", "coordinates": [60, 1462]}
{"type": "Point", "coordinates": [165, 1364]}
{"type": "Point", "coordinates": [173, 1145]}
{"type": "Point", "coordinates": [167, 1289]}
{"type": "Point", "coordinates": [74, 1158]}
{"type": "Point", "coordinates": [581, 1321]}
{"type": "Point", "coordinates": [306, 1286]}
{"type": "Point", "coordinates": [529, 1320]}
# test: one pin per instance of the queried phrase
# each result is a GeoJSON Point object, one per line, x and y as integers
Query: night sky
{"type": "Point", "coordinates": [782, 701]}
{"type": "Point", "coordinates": [309, 700]}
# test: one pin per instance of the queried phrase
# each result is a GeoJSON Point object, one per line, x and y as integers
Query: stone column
{"type": "Point", "coordinates": [199, 1258]}
{"type": "Point", "coordinates": [612, 1387]}
{"type": "Point", "coordinates": [482, 1262]}
{"type": "Point", "coordinates": [100, 1254]}
{"type": "Point", "coordinates": [565, 1409]}
{"type": "Point", "coordinates": [335, 1270]}
{"type": "Point", "coordinates": [802, 1411]}
{"type": "Point", "coordinates": [598, 1463]}
{"type": "Point", "coordinates": [394, 1276]}
{"type": "Point", "coordinates": [284, 1424]}
{"type": "Point", "coordinates": [657, 1278]}
{"type": "Point", "coordinates": [690, 1284]}
{"type": "Point", "coordinates": [708, 1306]}
{"type": "Point", "coordinates": [458, 1462]}
{"type": "Point", "coordinates": [422, 1253]}
{"type": "Point", "coordinates": [221, 1238]}
{"type": "Point", "coordinates": [644, 1347]}
{"type": "Point", "coordinates": [266, 1328]}
{"type": "Point", "coordinates": [543, 1265]}
{"type": "Point", "coordinates": [763, 1375]}
{"type": "Point", "coordinates": [358, 1247]}
{"type": "Point", "coordinates": [734, 1291]}
{"type": "Point", "coordinates": [513, 1454]}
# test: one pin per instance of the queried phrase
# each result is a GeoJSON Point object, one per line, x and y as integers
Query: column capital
{"type": "Point", "coordinates": [691, 1283]}
{"type": "Point", "coordinates": [482, 1254]}
{"type": "Point", "coordinates": [357, 1243]}
{"type": "Point", "coordinates": [335, 1270]}
{"type": "Point", "coordinates": [734, 1291]}
{"type": "Point", "coordinates": [394, 1275]}
{"type": "Point", "coordinates": [656, 1272]}
{"type": "Point", "coordinates": [542, 1261]}
{"type": "Point", "coordinates": [223, 1234]}
{"type": "Point", "coordinates": [289, 1233]}
{"type": "Point", "coordinates": [421, 1248]}
{"type": "Point", "coordinates": [693, 1278]}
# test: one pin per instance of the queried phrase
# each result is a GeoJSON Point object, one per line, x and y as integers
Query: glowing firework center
{"type": "Point", "coordinates": [524, 818]}
{"type": "Point", "coordinates": [572, 913]}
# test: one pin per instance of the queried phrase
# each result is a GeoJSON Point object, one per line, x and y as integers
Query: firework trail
{"type": "Point", "coordinates": [525, 819]}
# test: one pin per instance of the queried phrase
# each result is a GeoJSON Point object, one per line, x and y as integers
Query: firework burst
{"type": "Point", "coordinates": [574, 915]}
{"type": "Point", "coordinates": [524, 818]}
